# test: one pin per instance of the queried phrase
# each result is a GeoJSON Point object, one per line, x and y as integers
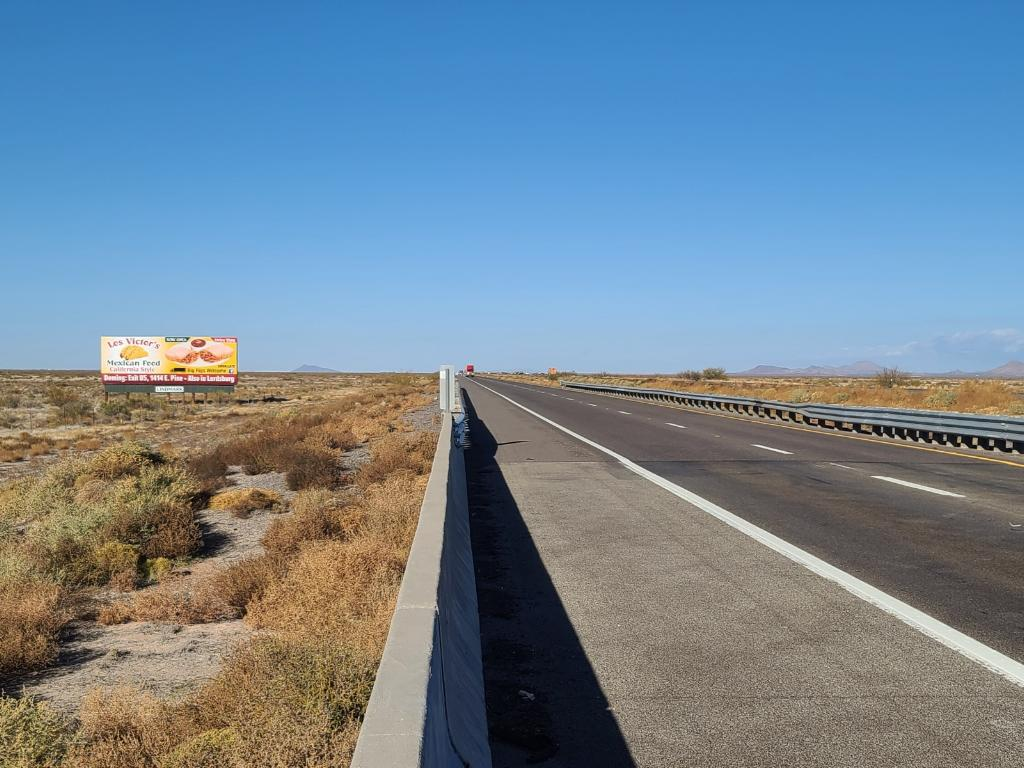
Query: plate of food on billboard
{"type": "Point", "coordinates": [198, 361]}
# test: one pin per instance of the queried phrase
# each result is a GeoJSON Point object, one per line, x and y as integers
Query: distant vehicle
{"type": "Point", "coordinates": [469, 369]}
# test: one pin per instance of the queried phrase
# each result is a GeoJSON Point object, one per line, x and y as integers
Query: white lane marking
{"type": "Point", "coordinates": [677, 426]}
{"type": "Point", "coordinates": [568, 398]}
{"type": "Point", "coordinates": [769, 448]}
{"type": "Point", "coordinates": [919, 487]}
{"type": "Point", "coordinates": [625, 413]}
{"type": "Point", "coordinates": [592, 405]}
{"type": "Point", "coordinates": [841, 466]}
{"type": "Point", "coordinates": [963, 644]}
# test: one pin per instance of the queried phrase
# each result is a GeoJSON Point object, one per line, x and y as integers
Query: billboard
{"type": "Point", "coordinates": [168, 363]}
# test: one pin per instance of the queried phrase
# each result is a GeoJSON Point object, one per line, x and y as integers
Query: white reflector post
{"type": "Point", "coordinates": [446, 391]}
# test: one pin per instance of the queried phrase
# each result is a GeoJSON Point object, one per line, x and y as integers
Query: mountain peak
{"type": "Point", "coordinates": [307, 368]}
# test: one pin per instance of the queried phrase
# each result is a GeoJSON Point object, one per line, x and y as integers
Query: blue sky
{"type": "Point", "coordinates": [593, 186]}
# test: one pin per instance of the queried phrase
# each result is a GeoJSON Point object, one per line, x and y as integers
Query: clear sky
{"type": "Point", "coordinates": [590, 185]}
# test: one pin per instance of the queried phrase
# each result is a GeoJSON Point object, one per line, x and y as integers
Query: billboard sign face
{"type": "Point", "coordinates": [169, 361]}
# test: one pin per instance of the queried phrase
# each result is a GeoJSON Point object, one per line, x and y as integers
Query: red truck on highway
{"type": "Point", "coordinates": [469, 369]}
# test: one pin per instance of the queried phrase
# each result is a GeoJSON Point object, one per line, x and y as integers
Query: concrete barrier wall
{"type": "Point", "coordinates": [427, 705]}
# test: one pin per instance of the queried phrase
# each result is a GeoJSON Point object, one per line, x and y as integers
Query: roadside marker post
{"type": "Point", "coordinates": [446, 391]}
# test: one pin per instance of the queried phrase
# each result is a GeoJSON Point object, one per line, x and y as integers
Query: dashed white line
{"type": "Point", "coordinates": [592, 405]}
{"type": "Point", "coordinates": [841, 466]}
{"type": "Point", "coordinates": [625, 413]}
{"type": "Point", "coordinates": [769, 448]}
{"type": "Point", "coordinates": [965, 645]}
{"type": "Point", "coordinates": [918, 486]}
{"type": "Point", "coordinates": [677, 426]}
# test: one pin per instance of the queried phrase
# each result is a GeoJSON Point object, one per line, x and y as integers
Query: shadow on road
{"type": "Point", "coordinates": [544, 704]}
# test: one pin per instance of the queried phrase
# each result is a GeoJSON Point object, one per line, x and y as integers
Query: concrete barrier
{"type": "Point", "coordinates": [427, 704]}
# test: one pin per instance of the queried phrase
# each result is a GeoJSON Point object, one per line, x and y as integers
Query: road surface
{"type": "Point", "coordinates": [623, 625]}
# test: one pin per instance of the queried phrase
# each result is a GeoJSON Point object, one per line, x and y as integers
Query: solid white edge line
{"type": "Point", "coordinates": [967, 646]}
{"type": "Point", "coordinates": [769, 448]}
{"type": "Point", "coordinates": [918, 486]}
{"type": "Point", "coordinates": [678, 426]}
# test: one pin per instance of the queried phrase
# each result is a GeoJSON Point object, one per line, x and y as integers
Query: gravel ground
{"type": "Point", "coordinates": [425, 419]}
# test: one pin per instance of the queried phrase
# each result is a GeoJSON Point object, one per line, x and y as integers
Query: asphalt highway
{"type": "Point", "coordinates": [680, 629]}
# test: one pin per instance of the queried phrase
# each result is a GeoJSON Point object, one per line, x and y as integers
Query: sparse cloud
{"type": "Point", "coordinates": [988, 345]}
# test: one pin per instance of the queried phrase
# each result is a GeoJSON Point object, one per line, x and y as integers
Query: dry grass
{"type": "Point", "coordinates": [964, 395]}
{"type": "Point", "coordinates": [346, 584]}
{"type": "Point", "coordinates": [291, 703]}
{"type": "Point", "coordinates": [11, 454]}
{"type": "Point", "coordinates": [32, 735]}
{"type": "Point", "coordinates": [124, 728]}
{"type": "Point", "coordinates": [395, 452]}
{"type": "Point", "coordinates": [174, 601]}
{"type": "Point", "coordinates": [246, 580]}
{"type": "Point", "coordinates": [242, 502]}
{"type": "Point", "coordinates": [33, 615]}
{"type": "Point", "coordinates": [317, 514]}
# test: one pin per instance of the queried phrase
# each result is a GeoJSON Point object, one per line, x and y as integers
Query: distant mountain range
{"type": "Point", "coordinates": [307, 368]}
{"type": "Point", "coordinates": [1012, 370]}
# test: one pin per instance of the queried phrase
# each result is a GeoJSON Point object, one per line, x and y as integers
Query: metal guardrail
{"type": "Point", "coordinates": [995, 433]}
{"type": "Point", "coordinates": [427, 705]}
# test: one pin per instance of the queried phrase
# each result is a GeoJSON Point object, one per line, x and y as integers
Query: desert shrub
{"type": "Point", "coordinates": [291, 702]}
{"type": "Point", "coordinates": [154, 511]}
{"type": "Point", "coordinates": [178, 601]}
{"type": "Point", "coordinates": [209, 469]}
{"type": "Point", "coordinates": [247, 579]}
{"type": "Point", "coordinates": [90, 491]}
{"type": "Point", "coordinates": [31, 605]}
{"type": "Point", "coordinates": [689, 375]}
{"type": "Point", "coordinates": [116, 410]}
{"type": "Point", "coordinates": [39, 449]}
{"type": "Point", "coordinates": [9, 400]}
{"type": "Point", "coordinates": [889, 378]}
{"type": "Point", "coordinates": [210, 749]}
{"type": "Point", "coordinates": [88, 444]}
{"type": "Point", "coordinates": [74, 412]}
{"type": "Point", "coordinates": [334, 588]}
{"type": "Point", "coordinates": [63, 542]}
{"type": "Point", "coordinates": [11, 454]}
{"type": "Point", "coordinates": [157, 568]}
{"type": "Point", "coordinates": [394, 452]}
{"type": "Point", "coordinates": [316, 514]}
{"type": "Point", "coordinates": [986, 396]}
{"type": "Point", "coordinates": [117, 561]}
{"type": "Point", "coordinates": [125, 728]}
{"type": "Point", "coordinates": [308, 467]}
{"type": "Point", "coordinates": [390, 509]}
{"type": "Point", "coordinates": [941, 398]}
{"type": "Point", "coordinates": [128, 458]}
{"type": "Point", "coordinates": [712, 374]}
{"type": "Point", "coordinates": [333, 435]}
{"type": "Point", "coordinates": [70, 409]}
{"type": "Point", "coordinates": [55, 489]}
{"type": "Point", "coordinates": [32, 734]}
{"type": "Point", "coordinates": [243, 501]}
{"type": "Point", "coordinates": [800, 395]}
